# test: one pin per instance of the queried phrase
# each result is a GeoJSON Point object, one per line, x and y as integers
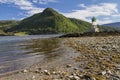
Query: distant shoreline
{"type": "Point", "coordinates": [91, 34]}
{"type": "Point", "coordinates": [86, 34]}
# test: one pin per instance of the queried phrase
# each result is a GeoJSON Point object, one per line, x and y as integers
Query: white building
{"type": "Point", "coordinates": [94, 24]}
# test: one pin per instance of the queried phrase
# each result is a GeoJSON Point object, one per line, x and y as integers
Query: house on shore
{"type": "Point", "coordinates": [94, 26]}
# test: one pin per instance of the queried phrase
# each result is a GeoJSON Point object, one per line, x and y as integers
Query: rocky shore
{"type": "Point", "coordinates": [92, 34]}
{"type": "Point", "coordinates": [88, 58]}
{"type": "Point", "coordinates": [100, 56]}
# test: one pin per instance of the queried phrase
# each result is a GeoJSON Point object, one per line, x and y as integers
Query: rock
{"type": "Point", "coordinates": [92, 78]}
{"type": "Point", "coordinates": [97, 77]}
{"type": "Point", "coordinates": [69, 65]}
{"type": "Point", "coordinates": [73, 74]}
{"type": "Point", "coordinates": [103, 73]}
{"type": "Point", "coordinates": [39, 68]}
{"type": "Point", "coordinates": [75, 68]}
{"type": "Point", "coordinates": [74, 77]}
{"type": "Point", "coordinates": [33, 77]}
{"type": "Point", "coordinates": [46, 72]}
{"type": "Point", "coordinates": [54, 73]}
{"type": "Point", "coordinates": [59, 72]}
{"type": "Point", "coordinates": [109, 72]}
{"type": "Point", "coordinates": [118, 69]}
{"type": "Point", "coordinates": [37, 71]}
{"type": "Point", "coordinates": [86, 68]}
{"type": "Point", "coordinates": [71, 77]}
{"type": "Point", "coordinates": [117, 72]}
{"type": "Point", "coordinates": [86, 77]}
{"type": "Point", "coordinates": [64, 73]}
{"type": "Point", "coordinates": [114, 78]}
{"type": "Point", "coordinates": [25, 71]}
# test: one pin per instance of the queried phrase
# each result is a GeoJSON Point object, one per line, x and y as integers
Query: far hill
{"type": "Point", "coordinates": [50, 21]}
{"type": "Point", "coordinates": [116, 24]}
{"type": "Point", "coordinates": [6, 24]}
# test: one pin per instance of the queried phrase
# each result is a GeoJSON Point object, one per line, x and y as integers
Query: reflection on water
{"type": "Point", "coordinates": [16, 55]}
{"type": "Point", "coordinates": [47, 47]}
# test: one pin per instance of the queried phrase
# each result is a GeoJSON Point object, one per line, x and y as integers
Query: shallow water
{"type": "Point", "coordinates": [19, 52]}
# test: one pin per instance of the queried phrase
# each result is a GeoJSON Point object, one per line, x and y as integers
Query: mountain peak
{"type": "Point", "coordinates": [49, 12]}
{"type": "Point", "coordinates": [49, 9]}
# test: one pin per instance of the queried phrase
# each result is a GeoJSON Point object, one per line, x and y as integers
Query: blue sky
{"type": "Point", "coordinates": [106, 11]}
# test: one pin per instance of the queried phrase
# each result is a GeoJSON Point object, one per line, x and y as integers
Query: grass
{"type": "Point", "coordinates": [21, 34]}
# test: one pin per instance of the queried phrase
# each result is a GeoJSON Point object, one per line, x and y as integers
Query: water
{"type": "Point", "coordinates": [19, 52]}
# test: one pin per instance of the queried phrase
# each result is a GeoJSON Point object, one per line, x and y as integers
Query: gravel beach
{"type": "Point", "coordinates": [87, 58]}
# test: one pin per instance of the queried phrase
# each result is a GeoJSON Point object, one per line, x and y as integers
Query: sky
{"type": "Point", "coordinates": [106, 11]}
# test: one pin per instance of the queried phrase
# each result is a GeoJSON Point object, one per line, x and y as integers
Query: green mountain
{"type": "Point", "coordinates": [50, 21]}
{"type": "Point", "coordinates": [5, 25]}
{"type": "Point", "coordinates": [47, 22]}
{"type": "Point", "coordinates": [82, 25]}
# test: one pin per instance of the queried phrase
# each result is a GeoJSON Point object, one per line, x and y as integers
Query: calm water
{"type": "Point", "coordinates": [19, 52]}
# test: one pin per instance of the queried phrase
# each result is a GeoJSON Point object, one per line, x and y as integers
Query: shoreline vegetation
{"type": "Point", "coordinates": [85, 34]}
{"type": "Point", "coordinates": [95, 58]}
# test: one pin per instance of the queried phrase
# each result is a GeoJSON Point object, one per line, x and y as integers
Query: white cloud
{"type": "Point", "coordinates": [44, 1]}
{"type": "Point", "coordinates": [24, 5]}
{"type": "Point", "coordinates": [82, 5]}
{"type": "Point", "coordinates": [28, 5]}
{"type": "Point", "coordinates": [102, 9]}
{"type": "Point", "coordinates": [104, 21]}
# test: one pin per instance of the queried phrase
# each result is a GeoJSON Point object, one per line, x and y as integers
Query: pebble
{"type": "Point", "coordinates": [109, 72]}
{"type": "Point", "coordinates": [54, 73]}
{"type": "Point", "coordinates": [103, 72]}
{"type": "Point", "coordinates": [75, 68]}
{"type": "Point", "coordinates": [69, 65]}
{"type": "Point", "coordinates": [74, 77]}
{"type": "Point", "coordinates": [33, 77]}
{"type": "Point", "coordinates": [46, 72]}
{"type": "Point", "coordinates": [25, 71]}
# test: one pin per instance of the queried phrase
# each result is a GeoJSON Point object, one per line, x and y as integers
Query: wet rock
{"type": "Point", "coordinates": [46, 72]}
{"type": "Point", "coordinates": [74, 77]}
{"type": "Point", "coordinates": [117, 72]}
{"type": "Point", "coordinates": [109, 72]}
{"type": "Point", "coordinates": [71, 76]}
{"type": "Point", "coordinates": [87, 67]}
{"type": "Point", "coordinates": [93, 77]}
{"type": "Point", "coordinates": [86, 77]}
{"type": "Point", "coordinates": [37, 71]}
{"type": "Point", "coordinates": [54, 72]}
{"type": "Point", "coordinates": [103, 73]}
{"type": "Point", "coordinates": [39, 68]}
{"type": "Point", "coordinates": [33, 77]}
{"type": "Point", "coordinates": [25, 71]}
{"type": "Point", "coordinates": [68, 65]}
{"type": "Point", "coordinates": [64, 73]}
{"type": "Point", "coordinates": [98, 77]}
{"type": "Point", "coordinates": [115, 78]}
{"type": "Point", "coordinates": [75, 68]}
